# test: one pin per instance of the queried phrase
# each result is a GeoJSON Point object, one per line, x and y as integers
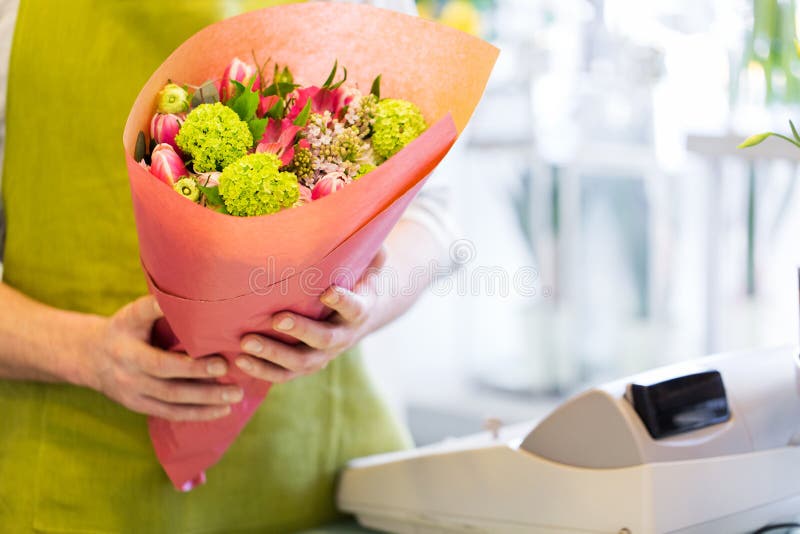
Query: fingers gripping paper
{"type": "Point", "coordinates": [218, 277]}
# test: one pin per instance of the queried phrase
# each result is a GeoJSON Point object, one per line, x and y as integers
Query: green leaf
{"type": "Point", "coordinates": [286, 76]}
{"type": "Point", "coordinates": [794, 131]}
{"type": "Point", "coordinates": [376, 87]}
{"type": "Point", "coordinates": [257, 127]}
{"type": "Point", "coordinates": [212, 195]}
{"type": "Point", "coordinates": [302, 118]}
{"type": "Point", "coordinates": [141, 147]}
{"type": "Point", "coordinates": [246, 106]}
{"type": "Point", "coordinates": [280, 89]}
{"type": "Point", "coordinates": [153, 145]}
{"type": "Point", "coordinates": [278, 110]}
{"type": "Point", "coordinates": [205, 94]}
{"type": "Point", "coordinates": [244, 102]}
{"type": "Point", "coordinates": [340, 82]}
{"type": "Point", "coordinates": [332, 75]}
{"type": "Point", "coordinates": [238, 90]}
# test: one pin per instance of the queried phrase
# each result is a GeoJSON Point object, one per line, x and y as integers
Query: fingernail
{"type": "Point", "coordinates": [286, 323]}
{"type": "Point", "coordinates": [244, 364]}
{"type": "Point", "coordinates": [232, 395]}
{"type": "Point", "coordinates": [332, 296]}
{"type": "Point", "coordinates": [225, 411]}
{"type": "Point", "coordinates": [156, 307]}
{"type": "Point", "coordinates": [253, 346]}
{"type": "Point", "coordinates": [217, 368]}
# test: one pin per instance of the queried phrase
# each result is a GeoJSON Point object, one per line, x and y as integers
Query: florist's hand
{"type": "Point", "coordinates": [321, 341]}
{"type": "Point", "coordinates": [127, 369]}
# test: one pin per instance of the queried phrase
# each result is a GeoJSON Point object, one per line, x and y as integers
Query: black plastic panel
{"type": "Point", "coordinates": [681, 404]}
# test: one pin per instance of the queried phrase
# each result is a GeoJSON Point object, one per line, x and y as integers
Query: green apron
{"type": "Point", "coordinates": [70, 459]}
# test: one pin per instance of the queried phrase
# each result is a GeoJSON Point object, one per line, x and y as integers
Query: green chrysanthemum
{"type": "Point", "coordinates": [254, 185]}
{"type": "Point", "coordinates": [397, 123]}
{"type": "Point", "coordinates": [214, 137]}
{"type": "Point", "coordinates": [187, 187]}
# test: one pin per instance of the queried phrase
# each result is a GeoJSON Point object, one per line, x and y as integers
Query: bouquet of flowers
{"type": "Point", "coordinates": [256, 151]}
{"type": "Point", "coordinates": [258, 154]}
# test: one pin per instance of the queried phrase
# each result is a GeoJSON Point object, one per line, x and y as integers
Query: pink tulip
{"type": "Point", "coordinates": [305, 195]}
{"type": "Point", "coordinates": [241, 72]}
{"type": "Point", "coordinates": [164, 127]}
{"type": "Point", "coordinates": [330, 183]}
{"type": "Point", "coordinates": [166, 164]}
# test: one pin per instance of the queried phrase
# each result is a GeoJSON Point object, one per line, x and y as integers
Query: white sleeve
{"type": "Point", "coordinates": [431, 208]}
{"type": "Point", "coordinates": [8, 15]}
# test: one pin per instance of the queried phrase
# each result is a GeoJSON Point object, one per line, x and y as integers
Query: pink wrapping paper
{"type": "Point", "coordinates": [218, 277]}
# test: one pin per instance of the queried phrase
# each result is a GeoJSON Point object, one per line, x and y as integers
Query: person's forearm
{"type": "Point", "coordinates": [414, 256]}
{"type": "Point", "coordinates": [38, 342]}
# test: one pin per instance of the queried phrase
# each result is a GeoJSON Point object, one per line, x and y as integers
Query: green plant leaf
{"type": "Point", "coordinates": [238, 90]}
{"type": "Point", "coordinates": [302, 118]}
{"type": "Point", "coordinates": [376, 87]}
{"type": "Point", "coordinates": [278, 110]}
{"type": "Point", "coordinates": [212, 195]}
{"type": "Point", "coordinates": [280, 89]}
{"type": "Point", "coordinates": [257, 127]}
{"type": "Point", "coordinates": [205, 94]}
{"type": "Point", "coordinates": [332, 75]}
{"type": "Point", "coordinates": [340, 82]}
{"type": "Point", "coordinates": [794, 132]}
{"type": "Point", "coordinates": [286, 76]}
{"type": "Point", "coordinates": [244, 102]}
{"type": "Point", "coordinates": [140, 151]}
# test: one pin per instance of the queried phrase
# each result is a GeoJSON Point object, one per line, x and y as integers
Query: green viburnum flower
{"type": "Point", "coordinates": [214, 136]}
{"type": "Point", "coordinates": [254, 185]}
{"type": "Point", "coordinates": [187, 187]}
{"type": "Point", "coordinates": [173, 99]}
{"type": "Point", "coordinates": [397, 123]}
{"type": "Point", "coordinates": [364, 169]}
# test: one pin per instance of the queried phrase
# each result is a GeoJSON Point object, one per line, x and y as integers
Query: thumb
{"type": "Point", "coordinates": [140, 314]}
{"type": "Point", "coordinates": [380, 259]}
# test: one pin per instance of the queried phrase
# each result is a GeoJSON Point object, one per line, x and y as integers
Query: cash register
{"type": "Point", "coordinates": [707, 446]}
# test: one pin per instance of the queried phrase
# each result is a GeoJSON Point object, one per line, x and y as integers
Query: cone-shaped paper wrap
{"type": "Point", "coordinates": [218, 277]}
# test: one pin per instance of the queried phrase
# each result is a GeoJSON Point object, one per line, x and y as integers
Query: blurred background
{"type": "Point", "coordinates": [610, 224]}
